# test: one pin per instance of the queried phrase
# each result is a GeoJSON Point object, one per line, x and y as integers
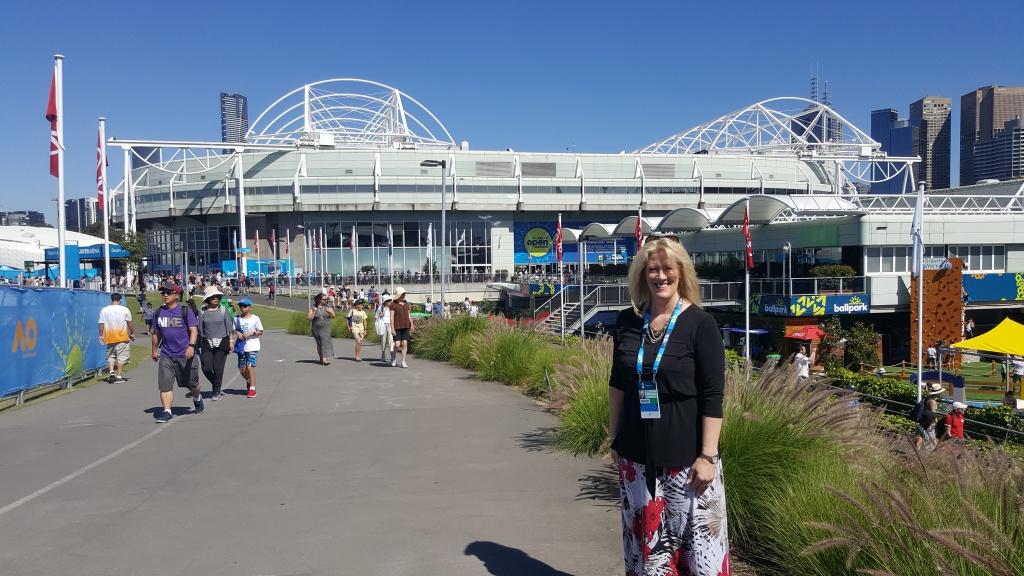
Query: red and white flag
{"type": "Point", "coordinates": [638, 232]}
{"type": "Point", "coordinates": [99, 171]}
{"type": "Point", "coordinates": [52, 116]}
{"type": "Point", "coordinates": [287, 240]}
{"type": "Point", "coordinates": [746, 235]}
{"type": "Point", "coordinates": [558, 239]}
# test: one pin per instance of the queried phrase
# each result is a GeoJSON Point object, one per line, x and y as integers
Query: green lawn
{"type": "Point", "coordinates": [273, 318]}
{"type": "Point", "coordinates": [980, 382]}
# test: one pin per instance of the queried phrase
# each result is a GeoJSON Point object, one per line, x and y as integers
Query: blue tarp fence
{"type": "Point", "coordinates": [47, 335]}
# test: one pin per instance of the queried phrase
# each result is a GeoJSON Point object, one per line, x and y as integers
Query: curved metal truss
{"type": "Point", "coordinates": [791, 126]}
{"type": "Point", "coordinates": [349, 113]}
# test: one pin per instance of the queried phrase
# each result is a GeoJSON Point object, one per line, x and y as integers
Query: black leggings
{"type": "Point", "coordinates": [213, 360]}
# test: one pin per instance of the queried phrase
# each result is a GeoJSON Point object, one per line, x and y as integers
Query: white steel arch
{"type": "Point", "coordinates": [789, 126]}
{"type": "Point", "coordinates": [349, 113]}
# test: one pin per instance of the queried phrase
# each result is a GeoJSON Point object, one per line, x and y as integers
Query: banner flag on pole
{"type": "Point", "coordinates": [558, 239]}
{"type": "Point", "coordinates": [391, 241]}
{"type": "Point", "coordinates": [234, 241]}
{"type": "Point", "coordinates": [917, 235]}
{"type": "Point", "coordinates": [638, 232]}
{"type": "Point", "coordinates": [99, 173]}
{"type": "Point", "coordinates": [746, 236]}
{"type": "Point", "coordinates": [287, 240]}
{"type": "Point", "coordinates": [52, 117]}
{"type": "Point", "coordinates": [462, 239]}
{"type": "Point", "coordinates": [257, 243]}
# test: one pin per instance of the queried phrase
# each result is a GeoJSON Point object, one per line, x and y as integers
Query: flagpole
{"type": "Point", "coordinates": [61, 217]}
{"type": "Point", "coordinates": [391, 256]}
{"type": "Point", "coordinates": [746, 289]}
{"type": "Point", "coordinates": [919, 270]}
{"type": "Point", "coordinates": [259, 284]}
{"type": "Point", "coordinates": [102, 160]}
{"type": "Point", "coordinates": [307, 261]}
{"type": "Point", "coordinates": [561, 278]}
{"type": "Point", "coordinates": [341, 255]}
{"type": "Point", "coordinates": [323, 260]}
{"type": "Point", "coordinates": [580, 247]}
{"type": "Point", "coordinates": [291, 263]}
{"type": "Point", "coordinates": [355, 258]}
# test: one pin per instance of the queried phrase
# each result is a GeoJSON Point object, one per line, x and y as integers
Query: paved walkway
{"type": "Point", "coordinates": [354, 468]}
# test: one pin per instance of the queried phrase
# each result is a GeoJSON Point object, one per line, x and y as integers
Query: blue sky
{"type": "Point", "coordinates": [542, 76]}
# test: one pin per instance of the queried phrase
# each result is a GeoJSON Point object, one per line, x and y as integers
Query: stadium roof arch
{"type": "Point", "coordinates": [789, 126]}
{"type": "Point", "coordinates": [349, 112]}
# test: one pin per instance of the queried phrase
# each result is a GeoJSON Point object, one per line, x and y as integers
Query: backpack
{"type": "Point", "coordinates": [918, 411]}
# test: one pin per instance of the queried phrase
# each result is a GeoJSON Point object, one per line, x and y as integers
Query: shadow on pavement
{"type": "Point", "coordinates": [307, 361]}
{"type": "Point", "coordinates": [543, 439]}
{"type": "Point", "coordinates": [176, 410]}
{"type": "Point", "coordinates": [601, 485]}
{"type": "Point", "coordinates": [504, 561]}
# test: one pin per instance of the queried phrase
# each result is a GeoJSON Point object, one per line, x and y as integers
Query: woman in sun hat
{"type": "Point", "coordinates": [926, 414]}
{"type": "Point", "coordinates": [321, 315]}
{"type": "Point", "coordinates": [216, 337]}
{"type": "Point", "coordinates": [401, 326]}
{"type": "Point", "coordinates": [357, 325]}
{"type": "Point", "coordinates": [382, 319]}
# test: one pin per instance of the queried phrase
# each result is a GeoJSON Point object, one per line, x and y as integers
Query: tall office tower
{"type": "Point", "coordinates": [234, 117]}
{"type": "Point", "coordinates": [813, 125]}
{"type": "Point", "coordinates": [24, 218]}
{"type": "Point", "coordinates": [930, 116]}
{"type": "Point", "coordinates": [1001, 157]}
{"type": "Point", "coordinates": [897, 138]}
{"type": "Point", "coordinates": [80, 213]}
{"type": "Point", "coordinates": [983, 114]}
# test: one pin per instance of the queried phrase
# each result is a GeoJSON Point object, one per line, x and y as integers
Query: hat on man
{"type": "Point", "coordinates": [399, 293]}
{"type": "Point", "coordinates": [959, 406]}
{"type": "Point", "coordinates": [210, 292]}
{"type": "Point", "coordinates": [170, 287]}
{"type": "Point", "coordinates": [245, 302]}
{"type": "Point", "coordinates": [386, 298]}
{"type": "Point", "coordinates": [935, 389]}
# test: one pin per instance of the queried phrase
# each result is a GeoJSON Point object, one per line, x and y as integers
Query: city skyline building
{"type": "Point", "coordinates": [234, 117]}
{"type": "Point", "coordinates": [1002, 157]}
{"type": "Point", "coordinates": [897, 138]}
{"type": "Point", "coordinates": [22, 218]}
{"type": "Point", "coordinates": [930, 119]}
{"type": "Point", "coordinates": [81, 213]}
{"type": "Point", "coordinates": [983, 114]}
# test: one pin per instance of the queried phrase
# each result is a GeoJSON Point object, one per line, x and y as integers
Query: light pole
{"type": "Point", "coordinates": [444, 200]}
{"type": "Point", "coordinates": [788, 249]}
{"type": "Point", "coordinates": [305, 264]}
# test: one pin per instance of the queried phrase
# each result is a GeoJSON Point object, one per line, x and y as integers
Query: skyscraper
{"type": "Point", "coordinates": [930, 117]}
{"type": "Point", "coordinates": [897, 138]}
{"type": "Point", "coordinates": [983, 114]}
{"type": "Point", "coordinates": [80, 212]}
{"type": "Point", "coordinates": [234, 117]}
{"type": "Point", "coordinates": [1001, 157]}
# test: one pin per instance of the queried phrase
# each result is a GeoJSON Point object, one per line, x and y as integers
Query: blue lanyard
{"type": "Point", "coordinates": [664, 341]}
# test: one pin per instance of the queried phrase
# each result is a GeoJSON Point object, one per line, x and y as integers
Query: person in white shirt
{"type": "Point", "coordinates": [249, 328]}
{"type": "Point", "coordinates": [932, 355]}
{"type": "Point", "coordinates": [474, 310]}
{"type": "Point", "coordinates": [116, 331]}
{"type": "Point", "coordinates": [803, 363]}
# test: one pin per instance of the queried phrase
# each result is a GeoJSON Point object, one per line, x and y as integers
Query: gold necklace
{"type": "Point", "coordinates": [655, 335]}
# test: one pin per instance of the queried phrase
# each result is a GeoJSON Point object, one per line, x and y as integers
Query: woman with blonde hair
{"type": "Point", "coordinates": [665, 409]}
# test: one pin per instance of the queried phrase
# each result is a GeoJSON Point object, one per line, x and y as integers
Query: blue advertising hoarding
{"type": "Point", "coordinates": [993, 287]}
{"type": "Point", "coordinates": [535, 244]}
{"type": "Point", "coordinates": [47, 335]}
{"type": "Point", "coordinates": [86, 252]}
{"type": "Point", "coordinates": [810, 305]}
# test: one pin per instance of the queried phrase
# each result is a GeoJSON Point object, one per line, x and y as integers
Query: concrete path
{"type": "Point", "coordinates": [354, 468]}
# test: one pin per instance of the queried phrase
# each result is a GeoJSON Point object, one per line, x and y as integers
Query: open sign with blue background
{"type": "Point", "coordinates": [535, 244]}
{"type": "Point", "coordinates": [48, 334]}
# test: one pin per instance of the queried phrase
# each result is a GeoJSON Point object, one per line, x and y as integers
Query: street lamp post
{"type": "Point", "coordinates": [444, 200]}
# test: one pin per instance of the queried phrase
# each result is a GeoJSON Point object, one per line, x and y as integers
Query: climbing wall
{"type": "Point", "coordinates": [943, 307]}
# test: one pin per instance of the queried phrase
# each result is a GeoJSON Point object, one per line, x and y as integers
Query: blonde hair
{"type": "Point", "coordinates": [640, 293]}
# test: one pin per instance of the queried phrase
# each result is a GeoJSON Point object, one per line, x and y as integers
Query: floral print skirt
{"type": "Point", "coordinates": [677, 532]}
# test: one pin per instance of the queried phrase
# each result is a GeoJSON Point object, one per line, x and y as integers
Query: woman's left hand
{"type": "Point", "coordinates": [701, 474]}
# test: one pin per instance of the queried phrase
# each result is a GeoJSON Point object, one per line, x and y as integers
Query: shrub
{"type": "Point", "coordinates": [833, 271]}
{"type": "Point", "coordinates": [582, 398]}
{"type": "Point", "coordinates": [297, 324]}
{"type": "Point", "coordinates": [861, 350]}
{"type": "Point", "coordinates": [434, 337]}
{"type": "Point", "coordinates": [515, 356]}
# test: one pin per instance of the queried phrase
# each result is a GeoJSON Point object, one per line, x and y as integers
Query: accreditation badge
{"type": "Point", "coordinates": [650, 405]}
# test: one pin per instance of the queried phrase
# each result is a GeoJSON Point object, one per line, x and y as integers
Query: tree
{"type": "Point", "coordinates": [830, 349]}
{"type": "Point", "coordinates": [135, 245]}
{"type": "Point", "coordinates": [861, 347]}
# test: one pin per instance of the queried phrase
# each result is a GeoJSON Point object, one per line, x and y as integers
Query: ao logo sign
{"type": "Point", "coordinates": [25, 336]}
{"type": "Point", "coordinates": [538, 242]}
